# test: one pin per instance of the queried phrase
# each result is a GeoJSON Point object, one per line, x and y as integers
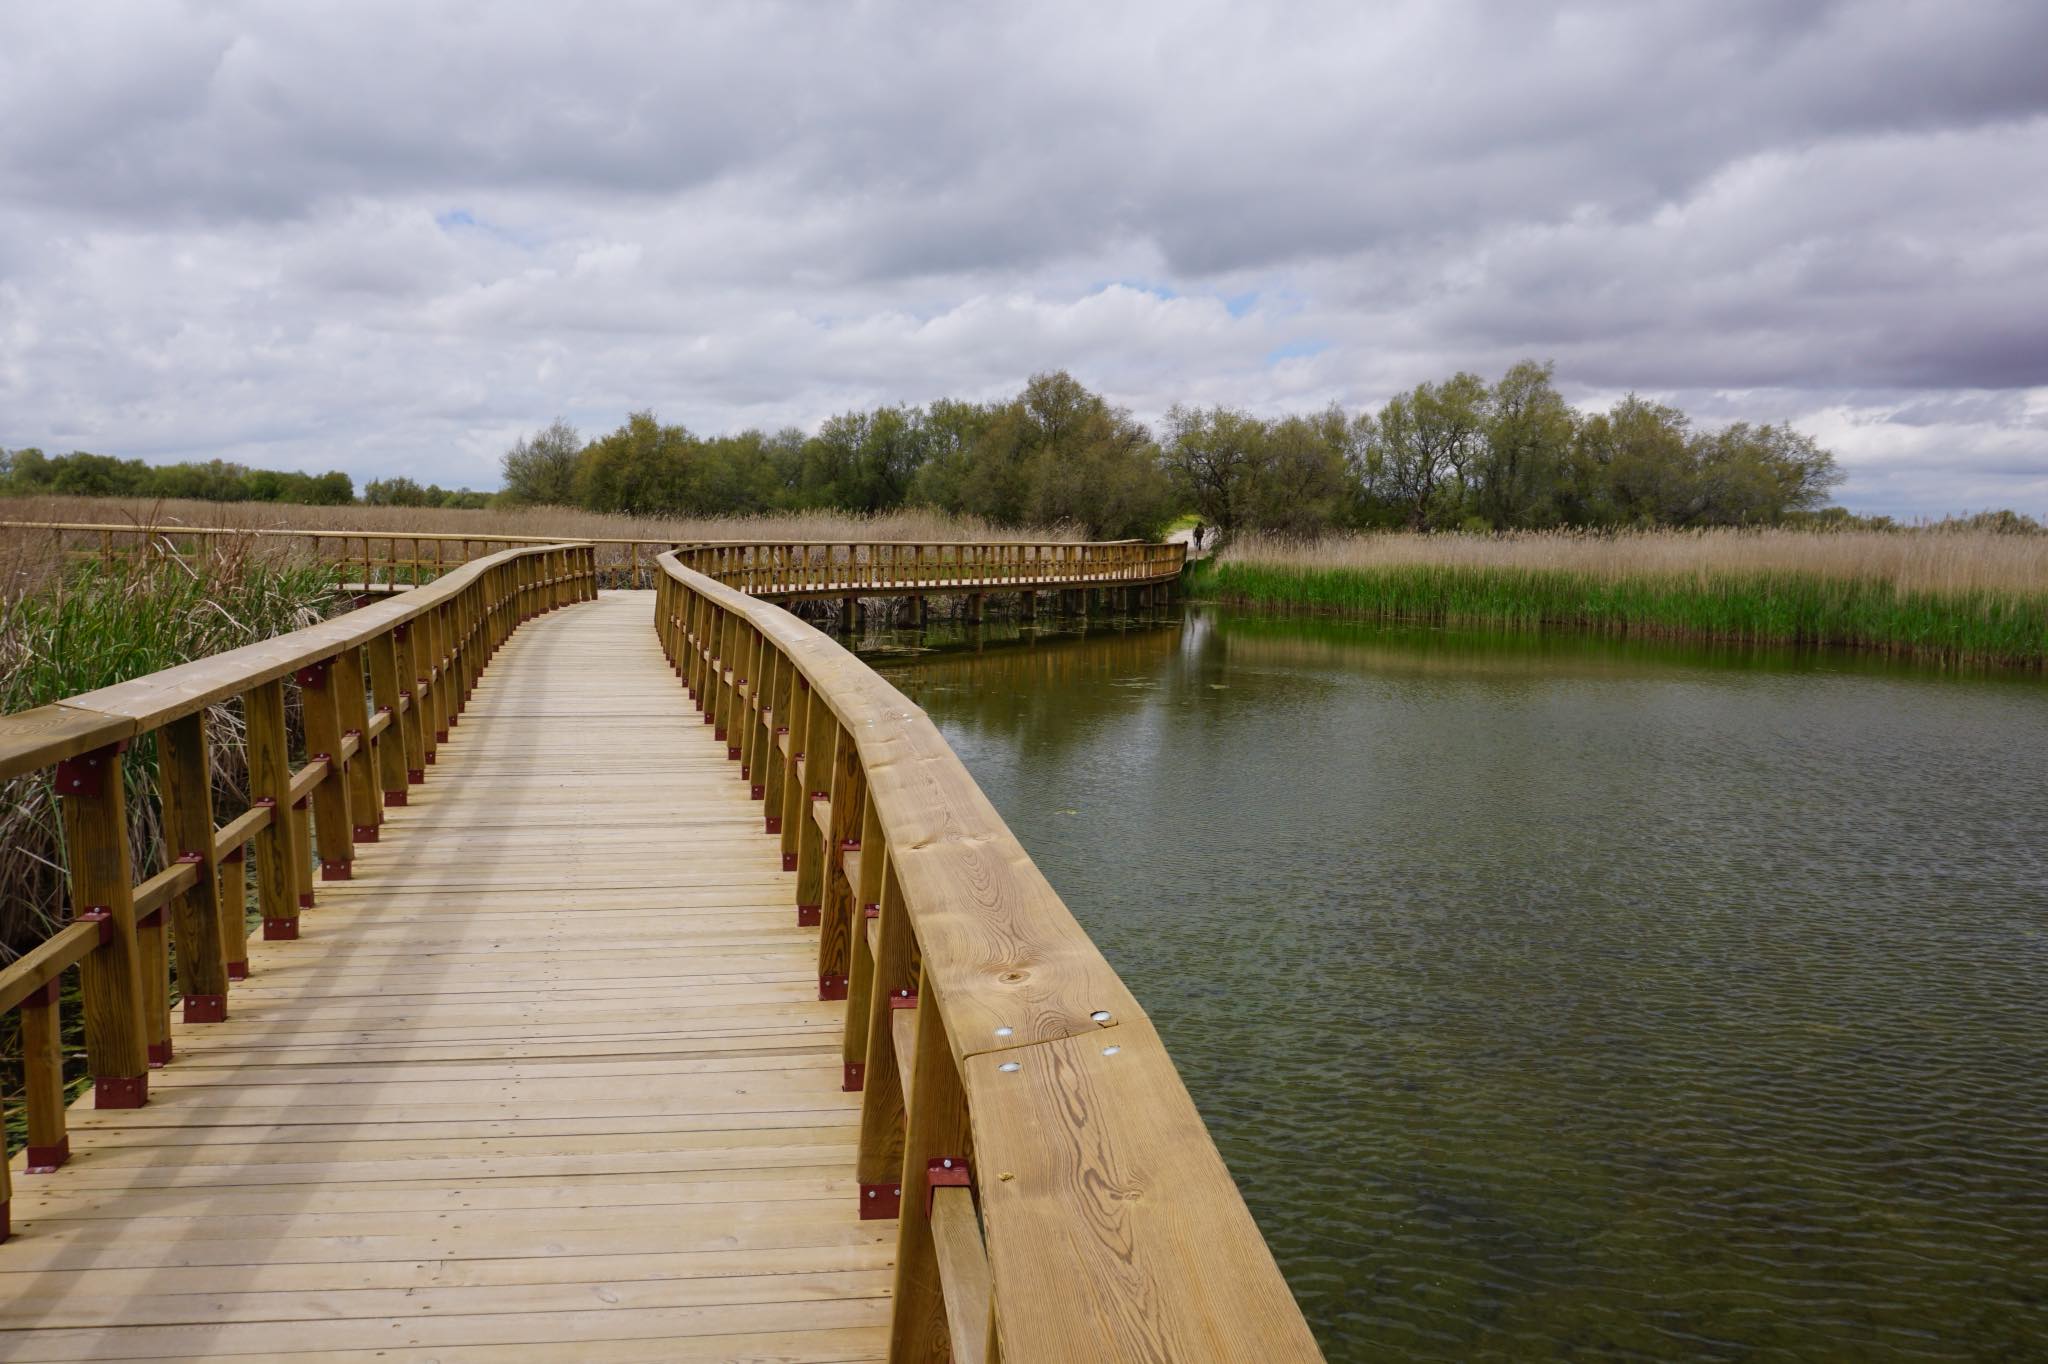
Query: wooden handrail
{"type": "Point", "coordinates": [414, 658]}
{"type": "Point", "coordinates": [996, 1050]}
{"type": "Point", "coordinates": [790, 568]}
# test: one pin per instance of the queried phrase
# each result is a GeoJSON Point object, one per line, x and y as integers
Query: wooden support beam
{"type": "Point", "coordinates": [270, 782]}
{"type": "Point", "coordinates": [185, 782]}
{"type": "Point", "coordinates": [95, 812]}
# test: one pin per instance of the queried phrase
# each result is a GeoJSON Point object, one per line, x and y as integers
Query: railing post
{"type": "Point", "coordinates": [411, 723]}
{"type": "Point", "coordinates": [42, 1080]}
{"type": "Point", "coordinates": [95, 812]}
{"type": "Point", "coordinates": [365, 803]}
{"type": "Point", "coordinates": [333, 822]}
{"type": "Point", "coordinates": [836, 925]}
{"type": "Point", "coordinates": [936, 1131]}
{"type": "Point", "coordinates": [892, 987]}
{"type": "Point", "coordinates": [185, 784]}
{"type": "Point", "coordinates": [270, 779]}
{"type": "Point", "coordinates": [234, 911]}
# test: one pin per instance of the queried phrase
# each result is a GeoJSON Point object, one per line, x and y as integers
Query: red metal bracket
{"type": "Point", "coordinates": [903, 999]}
{"type": "Point", "coordinates": [881, 1202]}
{"type": "Point", "coordinates": [160, 1054]}
{"type": "Point", "coordinates": [206, 1008]}
{"type": "Point", "coordinates": [44, 1160]}
{"type": "Point", "coordinates": [101, 915]}
{"type": "Point", "coordinates": [238, 970]}
{"type": "Point", "coordinates": [944, 1172]}
{"type": "Point", "coordinates": [364, 833]}
{"type": "Point", "coordinates": [773, 825]}
{"type": "Point", "coordinates": [153, 919]}
{"type": "Point", "coordinates": [873, 911]}
{"type": "Point", "coordinates": [831, 986]}
{"type": "Point", "coordinates": [756, 791]}
{"type": "Point", "coordinates": [336, 871]}
{"type": "Point", "coordinates": [280, 930]}
{"type": "Point", "coordinates": [788, 859]}
{"type": "Point", "coordinates": [85, 775]}
{"type": "Point", "coordinates": [120, 1091]}
{"type": "Point", "coordinates": [847, 845]}
{"type": "Point", "coordinates": [807, 916]}
{"type": "Point", "coordinates": [193, 859]}
{"type": "Point", "coordinates": [314, 676]}
{"type": "Point", "coordinates": [856, 1075]}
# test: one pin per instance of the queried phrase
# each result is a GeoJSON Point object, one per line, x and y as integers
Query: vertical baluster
{"type": "Point", "coordinates": [95, 813]}
{"type": "Point", "coordinates": [42, 1066]}
{"type": "Point", "coordinates": [836, 927]}
{"type": "Point", "coordinates": [879, 1166]}
{"type": "Point", "coordinates": [333, 821]}
{"type": "Point", "coordinates": [234, 912]}
{"type": "Point", "coordinates": [185, 782]}
{"type": "Point", "coordinates": [860, 975]}
{"type": "Point", "coordinates": [821, 732]}
{"type": "Point", "coordinates": [270, 775]}
{"type": "Point", "coordinates": [936, 1131]}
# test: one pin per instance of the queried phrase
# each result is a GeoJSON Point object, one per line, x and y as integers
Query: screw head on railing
{"type": "Point", "coordinates": [1100, 1015]}
{"type": "Point", "coordinates": [1005, 1031]}
{"type": "Point", "coordinates": [1008, 1067]}
{"type": "Point", "coordinates": [1111, 1051]}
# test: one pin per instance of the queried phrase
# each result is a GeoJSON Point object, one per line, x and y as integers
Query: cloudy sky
{"type": "Point", "coordinates": [391, 237]}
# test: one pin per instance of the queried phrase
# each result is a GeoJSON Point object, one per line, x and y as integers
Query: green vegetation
{"type": "Point", "coordinates": [107, 622]}
{"type": "Point", "coordinates": [1467, 455]}
{"type": "Point", "coordinates": [104, 623]}
{"type": "Point", "coordinates": [1055, 453]}
{"type": "Point", "coordinates": [27, 473]}
{"type": "Point", "coordinates": [1774, 605]}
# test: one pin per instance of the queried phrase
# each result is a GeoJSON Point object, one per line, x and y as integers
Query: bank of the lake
{"type": "Point", "coordinates": [1565, 997]}
{"type": "Point", "coordinates": [1996, 618]}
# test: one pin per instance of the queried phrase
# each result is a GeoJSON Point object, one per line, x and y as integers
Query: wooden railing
{"type": "Point", "coordinates": [794, 568]}
{"type": "Point", "coordinates": [1059, 1197]}
{"type": "Point", "coordinates": [367, 559]}
{"type": "Point", "coordinates": [379, 689]}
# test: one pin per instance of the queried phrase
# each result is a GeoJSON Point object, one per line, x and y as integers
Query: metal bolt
{"type": "Point", "coordinates": [1111, 1051]}
{"type": "Point", "coordinates": [1100, 1015]}
{"type": "Point", "coordinates": [1008, 1066]}
{"type": "Point", "coordinates": [1004, 1032]}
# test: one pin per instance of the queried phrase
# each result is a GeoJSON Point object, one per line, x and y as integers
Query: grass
{"type": "Point", "coordinates": [1955, 596]}
{"type": "Point", "coordinates": [92, 626]}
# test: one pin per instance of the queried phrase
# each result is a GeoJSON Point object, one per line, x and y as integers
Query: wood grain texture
{"type": "Point", "coordinates": [466, 1116]}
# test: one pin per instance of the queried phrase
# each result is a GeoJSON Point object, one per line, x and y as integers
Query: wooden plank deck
{"type": "Point", "coordinates": [547, 1080]}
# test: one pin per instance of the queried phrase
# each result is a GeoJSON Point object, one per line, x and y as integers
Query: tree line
{"type": "Point", "coordinates": [1455, 454]}
{"type": "Point", "coordinates": [1460, 454]}
{"type": "Point", "coordinates": [82, 474]}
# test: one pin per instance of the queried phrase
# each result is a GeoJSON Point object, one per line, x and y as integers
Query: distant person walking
{"type": "Point", "coordinates": [1199, 529]}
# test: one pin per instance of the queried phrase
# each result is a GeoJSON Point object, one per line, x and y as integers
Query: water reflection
{"type": "Point", "coordinates": [1568, 998]}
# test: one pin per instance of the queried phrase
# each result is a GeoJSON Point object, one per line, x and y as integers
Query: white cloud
{"type": "Point", "coordinates": [389, 237]}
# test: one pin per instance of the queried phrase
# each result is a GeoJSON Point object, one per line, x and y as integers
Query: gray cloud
{"type": "Point", "coordinates": [390, 237]}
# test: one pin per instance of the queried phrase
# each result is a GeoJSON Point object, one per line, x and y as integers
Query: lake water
{"type": "Point", "coordinates": [1566, 999]}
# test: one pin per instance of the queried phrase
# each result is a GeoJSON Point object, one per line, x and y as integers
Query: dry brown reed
{"type": "Point", "coordinates": [566, 523]}
{"type": "Point", "coordinates": [1931, 560]}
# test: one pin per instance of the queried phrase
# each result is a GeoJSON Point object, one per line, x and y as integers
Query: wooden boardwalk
{"type": "Point", "coordinates": [548, 1079]}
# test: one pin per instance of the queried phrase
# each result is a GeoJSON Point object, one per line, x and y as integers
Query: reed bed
{"type": "Point", "coordinates": [563, 523]}
{"type": "Point", "coordinates": [1957, 596]}
{"type": "Point", "coordinates": [95, 624]}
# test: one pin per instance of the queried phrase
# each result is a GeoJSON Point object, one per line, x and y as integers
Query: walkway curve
{"type": "Point", "coordinates": [563, 990]}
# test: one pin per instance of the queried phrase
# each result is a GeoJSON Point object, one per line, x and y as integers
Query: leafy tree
{"type": "Point", "coordinates": [1301, 482]}
{"type": "Point", "coordinates": [540, 470]}
{"type": "Point", "coordinates": [1212, 457]}
{"type": "Point", "coordinates": [1422, 442]}
{"type": "Point", "coordinates": [397, 492]}
{"type": "Point", "coordinates": [643, 467]}
{"type": "Point", "coordinates": [1520, 467]}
